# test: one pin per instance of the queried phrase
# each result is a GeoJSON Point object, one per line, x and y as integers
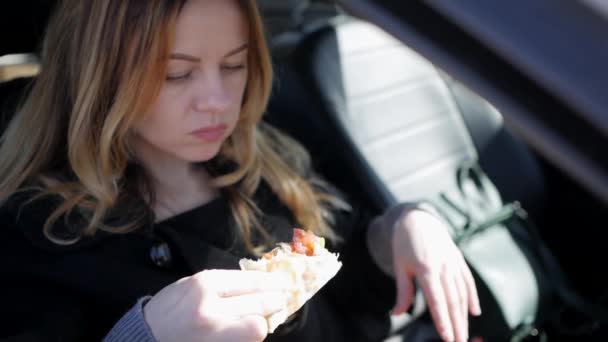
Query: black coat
{"type": "Point", "coordinates": [66, 293]}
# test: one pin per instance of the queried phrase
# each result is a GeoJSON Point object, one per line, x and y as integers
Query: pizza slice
{"type": "Point", "coordinates": [310, 264]}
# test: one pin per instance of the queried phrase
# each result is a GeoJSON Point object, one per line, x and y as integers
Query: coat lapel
{"type": "Point", "coordinates": [199, 254]}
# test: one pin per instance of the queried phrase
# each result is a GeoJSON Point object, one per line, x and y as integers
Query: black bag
{"type": "Point", "coordinates": [521, 286]}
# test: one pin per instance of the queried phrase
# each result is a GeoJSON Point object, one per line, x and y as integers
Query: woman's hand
{"type": "Point", "coordinates": [217, 305]}
{"type": "Point", "coordinates": [423, 250]}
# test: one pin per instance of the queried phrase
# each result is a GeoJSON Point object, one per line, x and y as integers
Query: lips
{"type": "Point", "coordinates": [211, 133]}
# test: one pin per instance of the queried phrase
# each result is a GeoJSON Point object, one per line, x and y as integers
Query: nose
{"type": "Point", "coordinates": [211, 94]}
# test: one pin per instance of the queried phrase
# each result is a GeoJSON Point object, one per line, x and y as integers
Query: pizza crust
{"type": "Point", "coordinates": [308, 273]}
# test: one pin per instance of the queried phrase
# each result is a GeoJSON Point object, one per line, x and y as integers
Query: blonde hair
{"type": "Point", "coordinates": [103, 60]}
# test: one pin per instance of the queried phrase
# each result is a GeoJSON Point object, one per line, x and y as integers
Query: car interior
{"type": "Point", "coordinates": [382, 124]}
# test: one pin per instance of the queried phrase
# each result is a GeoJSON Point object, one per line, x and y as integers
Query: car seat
{"type": "Point", "coordinates": [384, 121]}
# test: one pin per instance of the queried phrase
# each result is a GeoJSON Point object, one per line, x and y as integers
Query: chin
{"type": "Point", "coordinates": [201, 155]}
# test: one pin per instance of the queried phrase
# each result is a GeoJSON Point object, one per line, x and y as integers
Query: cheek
{"type": "Point", "coordinates": [236, 88]}
{"type": "Point", "coordinates": [238, 84]}
{"type": "Point", "coordinates": [161, 122]}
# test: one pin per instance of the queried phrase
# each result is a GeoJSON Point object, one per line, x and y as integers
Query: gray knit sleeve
{"type": "Point", "coordinates": [132, 326]}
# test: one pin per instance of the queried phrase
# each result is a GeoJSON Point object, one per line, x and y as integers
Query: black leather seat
{"type": "Point", "coordinates": [387, 126]}
{"type": "Point", "coordinates": [408, 123]}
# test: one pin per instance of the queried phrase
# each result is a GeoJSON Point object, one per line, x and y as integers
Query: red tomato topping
{"type": "Point", "coordinates": [303, 242]}
{"type": "Point", "coordinates": [298, 247]}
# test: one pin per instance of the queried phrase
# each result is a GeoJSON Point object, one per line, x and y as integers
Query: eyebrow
{"type": "Point", "coordinates": [190, 58]}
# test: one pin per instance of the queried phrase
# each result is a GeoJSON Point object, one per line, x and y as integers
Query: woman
{"type": "Point", "coordinates": [138, 172]}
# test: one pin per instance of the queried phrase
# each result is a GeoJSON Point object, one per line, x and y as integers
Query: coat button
{"type": "Point", "coordinates": [160, 254]}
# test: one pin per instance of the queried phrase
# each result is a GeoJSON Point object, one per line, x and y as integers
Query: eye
{"type": "Point", "coordinates": [179, 77]}
{"type": "Point", "coordinates": [235, 67]}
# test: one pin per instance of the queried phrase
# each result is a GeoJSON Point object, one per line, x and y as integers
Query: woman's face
{"type": "Point", "coordinates": [200, 101]}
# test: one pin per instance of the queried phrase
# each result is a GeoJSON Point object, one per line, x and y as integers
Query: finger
{"type": "Point", "coordinates": [227, 283]}
{"type": "Point", "coordinates": [261, 304]}
{"type": "Point", "coordinates": [435, 298]}
{"type": "Point", "coordinates": [453, 304]}
{"type": "Point", "coordinates": [249, 328]}
{"type": "Point", "coordinates": [405, 292]}
{"type": "Point", "coordinates": [463, 301]}
{"type": "Point", "coordinates": [474, 306]}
